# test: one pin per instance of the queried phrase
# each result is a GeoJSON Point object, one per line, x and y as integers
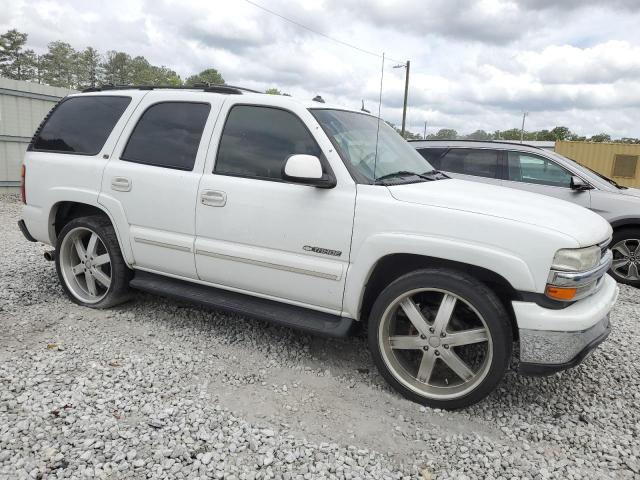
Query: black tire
{"type": "Point", "coordinates": [632, 234]}
{"type": "Point", "coordinates": [474, 294]}
{"type": "Point", "coordinates": [120, 275]}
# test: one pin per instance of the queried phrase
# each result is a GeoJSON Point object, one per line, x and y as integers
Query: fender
{"type": "Point", "coordinates": [504, 263]}
{"type": "Point", "coordinates": [625, 222]}
{"type": "Point", "coordinates": [58, 195]}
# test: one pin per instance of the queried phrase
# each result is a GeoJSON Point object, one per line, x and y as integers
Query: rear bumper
{"type": "Point", "coordinates": [555, 340]}
{"type": "Point", "coordinates": [25, 231]}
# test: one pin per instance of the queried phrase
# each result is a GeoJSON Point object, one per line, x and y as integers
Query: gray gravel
{"type": "Point", "coordinates": [161, 389]}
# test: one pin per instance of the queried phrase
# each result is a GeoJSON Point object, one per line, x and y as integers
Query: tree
{"type": "Point", "coordinates": [210, 75]}
{"type": "Point", "coordinates": [511, 134]}
{"type": "Point", "coordinates": [446, 134]}
{"type": "Point", "coordinates": [59, 65]}
{"type": "Point", "coordinates": [15, 61]}
{"type": "Point", "coordinates": [273, 91]}
{"type": "Point", "coordinates": [600, 137]}
{"type": "Point", "coordinates": [478, 135]}
{"type": "Point", "coordinates": [117, 68]}
{"type": "Point", "coordinates": [88, 68]}
{"type": "Point", "coordinates": [561, 133]}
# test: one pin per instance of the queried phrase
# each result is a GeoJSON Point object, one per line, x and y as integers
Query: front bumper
{"type": "Point", "coordinates": [554, 340]}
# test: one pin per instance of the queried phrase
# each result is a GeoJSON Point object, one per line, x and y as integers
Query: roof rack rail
{"type": "Point", "coordinates": [207, 87]}
{"type": "Point", "coordinates": [501, 142]}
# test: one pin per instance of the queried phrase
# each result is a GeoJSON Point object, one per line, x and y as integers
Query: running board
{"type": "Point", "coordinates": [269, 310]}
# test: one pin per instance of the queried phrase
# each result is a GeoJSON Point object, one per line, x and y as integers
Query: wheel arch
{"type": "Point", "coordinates": [63, 212]}
{"type": "Point", "coordinates": [625, 223]}
{"type": "Point", "coordinates": [392, 266]}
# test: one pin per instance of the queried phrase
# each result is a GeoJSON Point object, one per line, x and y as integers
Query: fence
{"type": "Point", "coordinates": [23, 105]}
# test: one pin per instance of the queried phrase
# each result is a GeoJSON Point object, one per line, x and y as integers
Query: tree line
{"type": "Point", "coordinates": [64, 66]}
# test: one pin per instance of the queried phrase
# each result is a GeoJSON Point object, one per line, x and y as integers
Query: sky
{"type": "Point", "coordinates": [474, 64]}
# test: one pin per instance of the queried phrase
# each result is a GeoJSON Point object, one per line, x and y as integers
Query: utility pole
{"type": "Point", "coordinates": [406, 66]}
{"type": "Point", "coordinates": [424, 136]}
{"type": "Point", "coordinates": [524, 115]}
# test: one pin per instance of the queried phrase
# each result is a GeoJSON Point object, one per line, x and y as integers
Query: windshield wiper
{"type": "Point", "coordinates": [435, 175]}
{"type": "Point", "coordinates": [402, 173]}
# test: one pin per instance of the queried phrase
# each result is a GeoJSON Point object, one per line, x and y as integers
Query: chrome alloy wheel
{"type": "Point", "coordinates": [626, 259]}
{"type": "Point", "coordinates": [85, 265]}
{"type": "Point", "coordinates": [435, 343]}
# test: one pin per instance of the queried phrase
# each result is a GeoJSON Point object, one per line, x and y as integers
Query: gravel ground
{"type": "Point", "coordinates": [160, 389]}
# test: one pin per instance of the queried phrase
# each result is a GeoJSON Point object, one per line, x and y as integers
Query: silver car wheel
{"type": "Point", "coordinates": [626, 259]}
{"type": "Point", "coordinates": [85, 265]}
{"type": "Point", "coordinates": [435, 343]}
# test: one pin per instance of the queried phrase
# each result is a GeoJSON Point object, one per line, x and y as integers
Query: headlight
{"type": "Point", "coordinates": [576, 259]}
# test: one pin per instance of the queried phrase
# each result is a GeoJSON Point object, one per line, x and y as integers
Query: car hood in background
{"type": "Point", "coordinates": [585, 226]}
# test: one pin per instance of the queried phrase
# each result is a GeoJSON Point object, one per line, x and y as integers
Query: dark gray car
{"type": "Point", "coordinates": [543, 171]}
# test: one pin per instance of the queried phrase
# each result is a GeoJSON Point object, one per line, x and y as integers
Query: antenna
{"type": "Point", "coordinates": [375, 160]}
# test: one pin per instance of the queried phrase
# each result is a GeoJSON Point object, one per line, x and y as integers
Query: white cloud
{"type": "Point", "coordinates": [474, 64]}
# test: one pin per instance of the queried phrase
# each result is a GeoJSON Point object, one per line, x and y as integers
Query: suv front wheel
{"type": "Point", "coordinates": [440, 337]}
{"type": "Point", "coordinates": [90, 265]}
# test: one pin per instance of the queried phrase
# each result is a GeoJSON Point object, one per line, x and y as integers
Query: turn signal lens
{"type": "Point", "coordinates": [560, 293]}
{"type": "Point", "coordinates": [23, 175]}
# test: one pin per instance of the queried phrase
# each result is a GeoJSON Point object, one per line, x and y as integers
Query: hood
{"type": "Point", "coordinates": [586, 227]}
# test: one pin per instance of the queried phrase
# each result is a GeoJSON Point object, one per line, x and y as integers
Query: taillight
{"type": "Point", "coordinates": [23, 176]}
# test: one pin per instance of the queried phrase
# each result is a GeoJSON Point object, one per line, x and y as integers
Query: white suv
{"type": "Point", "coordinates": [315, 217]}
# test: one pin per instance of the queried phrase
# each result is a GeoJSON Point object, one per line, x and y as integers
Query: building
{"type": "Point", "coordinates": [23, 105]}
{"type": "Point", "coordinates": [618, 161]}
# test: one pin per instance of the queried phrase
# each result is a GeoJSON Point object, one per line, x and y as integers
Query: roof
{"type": "Point", "coordinates": [498, 144]}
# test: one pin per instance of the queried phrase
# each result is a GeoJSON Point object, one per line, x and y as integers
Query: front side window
{"type": "Point", "coordinates": [434, 156]}
{"type": "Point", "coordinates": [476, 162]}
{"type": "Point", "coordinates": [257, 141]}
{"type": "Point", "coordinates": [528, 168]}
{"type": "Point", "coordinates": [80, 124]}
{"type": "Point", "coordinates": [370, 148]}
{"type": "Point", "coordinates": [168, 135]}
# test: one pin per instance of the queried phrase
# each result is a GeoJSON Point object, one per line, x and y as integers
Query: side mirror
{"type": "Point", "coordinates": [306, 169]}
{"type": "Point", "coordinates": [578, 184]}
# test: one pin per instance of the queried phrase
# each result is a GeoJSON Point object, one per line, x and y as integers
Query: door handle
{"type": "Point", "coordinates": [121, 184]}
{"type": "Point", "coordinates": [213, 198]}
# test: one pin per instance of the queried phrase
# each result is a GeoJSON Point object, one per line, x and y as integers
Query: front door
{"type": "Point", "coordinates": [534, 173]}
{"type": "Point", "coordinates": [260, 234]}
{"type": "Point", "coordinates": [153, 176]}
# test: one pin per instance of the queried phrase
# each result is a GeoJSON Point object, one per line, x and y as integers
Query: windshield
{"type": "Point", "coordinates": [598, 174]}
{"type": "Point", "coordinates": [354, 136]}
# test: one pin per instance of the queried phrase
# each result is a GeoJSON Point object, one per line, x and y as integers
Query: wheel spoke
{"type": "Point", "coordinates": [458, 365]}
{"type": "Point", "coordinates": [415, 317]}
{"type": "Point", "coordinates": [405, 342]}
{"type": "Point", "coordinates": [91, 246]}
{"type": "Point", "coordinates": [101, 259]}
{"type": "Point", "coordinates": [102, 277]}
{"type": "Point", "coordinates": [80, 248]}
{"type": "Point", "coordinates": [467, 337]}
{"type": "Point", "coordinates": [78, 269]}
{"type": "Point", "coordinates": [91, 283]}
{"type": "Point", "coordinates": [633, 271]}
{"type": "Point", "coordinates": [444, 313]}
{"type": "Point", "coordinates": [620, 262]}
{"type": "Point", "coordinates": [621, 247]}
{"type": "Point", "coordinates": [426, 366]}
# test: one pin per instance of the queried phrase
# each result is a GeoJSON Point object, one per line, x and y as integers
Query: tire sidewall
{"type": "Point", "coordinates": [475, 293]}
{"type": "Point", "coordinates": [96, 226]}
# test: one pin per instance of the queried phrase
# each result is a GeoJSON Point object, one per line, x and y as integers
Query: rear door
{"type": "Point", "coordinates": [538, 174]}
{"type": "Point", "coordinates": [474, 164]}
{"type": "Point", "coordinates": [153, 175]}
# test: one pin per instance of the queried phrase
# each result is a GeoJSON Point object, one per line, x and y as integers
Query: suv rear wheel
{"type": "Point", "coordinates": [90, 265]}
{"type": "Point", "coordinates": [625, 246]}
{"type": "Point", "coordinates": [440, 337]}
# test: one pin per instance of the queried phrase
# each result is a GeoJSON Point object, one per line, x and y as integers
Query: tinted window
{"type": "Point", "coordinates": [480, 163]}
{"type": "Point", "coordinates": [256, 142]}
{"type": "Point", "coordinates": [433, 156]}
{"type": "Point", "coordinates": [524, 167]}
{"type": "Point", "coordinates": [168, 135]}
{"type": "Point", "coordinates": [80, 124]}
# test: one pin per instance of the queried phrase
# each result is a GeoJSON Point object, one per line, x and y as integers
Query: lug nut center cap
{"type": "Point", "coordinates": [434, 341]}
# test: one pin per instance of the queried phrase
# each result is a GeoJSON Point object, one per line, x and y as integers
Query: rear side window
{"type": "Point", "coordinates": [168, 135]}
{"type": "Point", "coordinates": [480, 163]}
{"type": "Point", "coordinates": [257, 141]}
{"type": "Point", "coordinates": [528, 168]}
{"type": "Point", "coordinates": [80, 124]}
{"type": "Point", "coordinates": [433, 156]}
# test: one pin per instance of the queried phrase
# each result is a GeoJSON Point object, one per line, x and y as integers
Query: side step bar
{"type": "Point", "coordinates": [281, 313]}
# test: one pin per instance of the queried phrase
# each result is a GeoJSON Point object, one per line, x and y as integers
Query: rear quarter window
{"type": "Point", "coordinates": [80, 125]}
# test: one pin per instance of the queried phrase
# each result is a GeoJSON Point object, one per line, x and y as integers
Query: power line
{"type": "Point", "coordinates": [362, 50]}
